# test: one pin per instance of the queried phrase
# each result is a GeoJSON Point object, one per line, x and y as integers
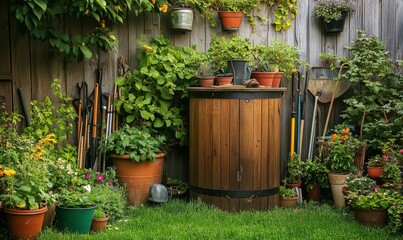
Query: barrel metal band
{"type": "Point", "coordinates": [234, 193]}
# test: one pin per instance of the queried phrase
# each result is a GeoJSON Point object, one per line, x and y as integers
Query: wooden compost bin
{"type": "Point", "coordinates": [235, 147]}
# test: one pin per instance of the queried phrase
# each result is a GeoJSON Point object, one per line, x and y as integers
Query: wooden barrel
{"type": "Point", "coordinates": [234, 160]}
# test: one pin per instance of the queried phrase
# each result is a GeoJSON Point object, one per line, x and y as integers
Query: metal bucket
{"type": "Point", "coordinates": [182, 19]}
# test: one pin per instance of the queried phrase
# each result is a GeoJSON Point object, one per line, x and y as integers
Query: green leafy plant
{"type": "Point", "coordinates": [376, 105]}
{"type": "Point", "coordinates": [341, 151]}
{"type": "Point", "coordinates": [278, 56]}
{"type": "Point", "coordinates": [53, 117]}
{"type": "Point", "coordinates": [314, 172]}
{"type": "Point", "coordinates": [137, 142]}
{"type": "Point", "coordinates": [151, 95]}
{"type": "Point", "coordinates": [223, 49]}
{"type": "Point", "coordinates": [294, 169]}
{"type": "Point", "coordinates": [391, 171]}
{"type": "Point", "coordinates": [8, 125]}
{"type": "Point", "coordinates": [360, 185]}
{"type": "Point", "coordinates": [328, 60]}
{"type": "Point", "coordinates": [99, 213]}
{"type": "Point", "coordinates": [379, 199]}
{"type": "Point", "coordinates": [38, 18]}
{"type": "Point", "coordinates": [331, 9]}
{"type": "Point", "coordinates": [79, 197]}
{"type": "Point", "coordinates": [375, 161]}
{"type": "Point", "coordinates": [395, 212]}
{"type": "Point", "coordinates": [25, 183]}
{"type": "Point", "coordinates": [110, 199]}
{"type": "Point", "coordinates": [287, 192]}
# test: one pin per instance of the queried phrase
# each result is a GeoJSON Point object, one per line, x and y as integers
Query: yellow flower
{"type": "Point", "coordinates": [346, 130]}
{"type": "Point", "coordinates": [146, 47]}
{"type": "Point", "coordinates": [12, 172]}
{"type": "Point", "coordinates": [164, 8]}
{"type": "Point", "coordinates": [154, 51]}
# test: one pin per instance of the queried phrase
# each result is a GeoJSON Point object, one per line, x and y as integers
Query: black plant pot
{"type": "Point", "coordinates": [335, 26]}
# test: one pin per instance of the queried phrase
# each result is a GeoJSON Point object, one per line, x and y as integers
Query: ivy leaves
{"type": "Point", "coordinates": [151, 95]}
{"type": "Point", "coordinates": [38, 17]}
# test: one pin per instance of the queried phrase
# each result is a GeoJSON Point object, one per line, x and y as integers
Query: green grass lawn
{"type": "Point", "coordinates": [182, 220]}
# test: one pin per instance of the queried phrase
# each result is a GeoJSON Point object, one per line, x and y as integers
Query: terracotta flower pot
{"type": "Point", "coordinates": [337, 182]}
{"type": "Point", "coordinates": [375, 172]}
{"type": "Point", "coordinates": [314, 193]}
{"type": "Point", "coordinates": [98, 224]}
{"type": "Point", "coordinates": [49, 216]}
{"type": "Point", "coordinates": [223, 80]}
{"type": "Point", "coordinates": [25, 224]}
{"type": "Point", "coordinates": [230, 20]}
{"type": "Point", "coordinates": [264, 79]}
{"type": "Point", "coordinates": [207, 81]}
{"type": "Point", "coordinates": [277, 79]}
{"type": "Point", "coordinates": [288, 202]}
{"type": "Point", "coordinates": [294, 185]}
{"type": "Point", "coordinates": [138, 176]}
{"type": "Point", "coordinates": [371, 217]}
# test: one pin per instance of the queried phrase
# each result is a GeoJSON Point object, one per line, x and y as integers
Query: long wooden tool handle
{"type": "Point", "coordinates": [95, 112]}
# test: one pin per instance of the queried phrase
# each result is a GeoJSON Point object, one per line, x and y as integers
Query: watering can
{"type": "Point", "coordinates": [240, 70]}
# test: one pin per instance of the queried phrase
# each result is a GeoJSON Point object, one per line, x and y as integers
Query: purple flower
{"type": "Point", "coordinates": [88, 175]}
{"type": "Point", "coordinates": [100, 177]}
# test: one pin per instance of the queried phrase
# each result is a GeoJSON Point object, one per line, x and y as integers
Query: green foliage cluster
{"type": "Point", "coordinates": [28, 186]}
{"type": "Point", "coordinates": [294, 169]}
{"type": "Point", "coordinates": [151, 95]}
{"type": "Point", "coordinates": [287, 192]}
{"type": "Point", "coordinates": [360, 185]}
{"type": "Point", "coordinates": [136, 142]}
{"type": "Point", "coordinates": [395, 214]}
{"type": "Point", "coordinates": [8, 125]}
{"type": "Point", "coordinates": [110, 200]}
{"type": "Point", "coordinates": [223, 49]}
{"type": "Point", "coordinates": [79, 197]}
{"type": "Point", "coordinates": [54, 117]}
{"type": "Point", "coordinates": [377, 105]}
{"type": "Point", "coordinates": [277, 56]}
{"type": "Point", "coordinates": [314, 172]}
{"type": "Point", "coordinates": [391, 171]}
{"type": "Point", "coordinates": [332, 9]}
{"type": "Point", "coordinates": [381, 199]}
{"type": "Point", "coordinates": [341, 151]}
{"type": "Point", "coordinates": [38, 18]}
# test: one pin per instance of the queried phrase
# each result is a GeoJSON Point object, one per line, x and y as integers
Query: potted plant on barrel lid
{"type": "Point", "coordinates": [332, 13]}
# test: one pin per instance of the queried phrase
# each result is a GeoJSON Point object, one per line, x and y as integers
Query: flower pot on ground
{"type": "Point", "coordinates": [100, 221]}
{"type": "Point", "coordinates": [340, 160]}
{"type": "Point", "coordinates": [294, 171]}
{"type": "Point", "coordinates": [74, 220]}
{"type": "Point", "coordinates": [332, 13]}
{"type": "Point", "coordinates": [138, 160]}
{"type": "Point", "coordinates": [75, 210]}
{"type": "Point", "coordinates": [315, 177]}
{"type": "Point", "coordinates": [370, 208]}
{"type": "Point", "coordinates": [288, 197]}
{"type": "Point", "coordinates": [24, 224]}
{"type": "Point", "coordinates": [24, 181]}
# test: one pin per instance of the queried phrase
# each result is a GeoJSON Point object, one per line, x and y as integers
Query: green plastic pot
{"type": "Point", "coordinates": [75, 220]}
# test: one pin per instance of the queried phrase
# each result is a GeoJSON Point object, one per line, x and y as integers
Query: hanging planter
{"type": "Point", "coordinates": [335, 26]}
{"type": "Point", "coordinates": [230, 20]}
{"type": "Point", "coordinates": [182, 19]}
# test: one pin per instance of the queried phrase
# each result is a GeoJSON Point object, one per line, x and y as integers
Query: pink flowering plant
{"type": "Point", "coordinates": [332, 9]}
